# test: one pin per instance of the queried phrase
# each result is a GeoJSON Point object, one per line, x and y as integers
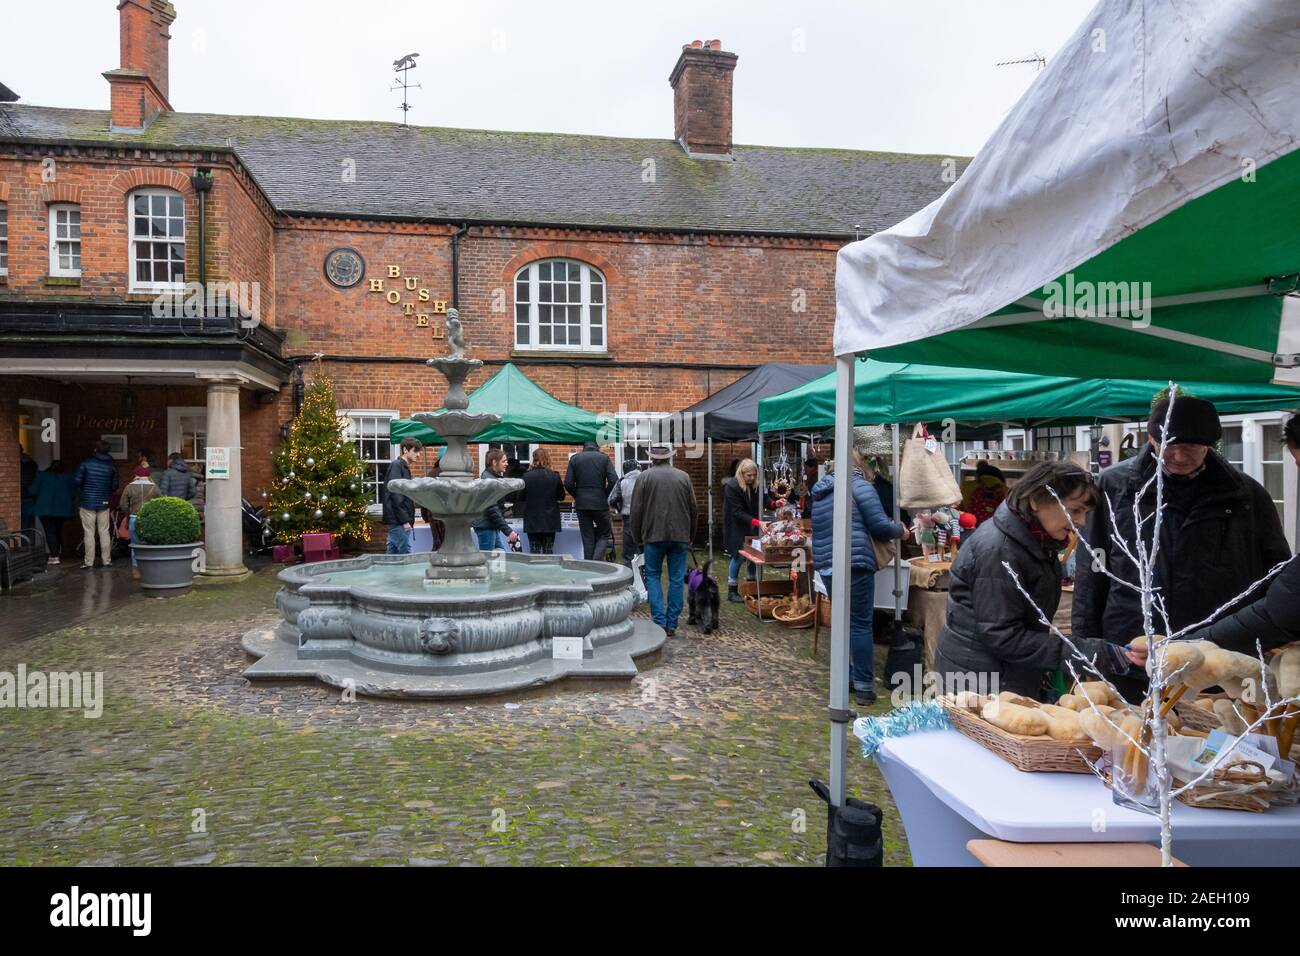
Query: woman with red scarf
{"type": "Point", "coordinates": [994, 639]}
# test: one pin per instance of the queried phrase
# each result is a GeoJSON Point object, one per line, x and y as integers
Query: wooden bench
{"type": "Point", "coordinates": [1002, 853]}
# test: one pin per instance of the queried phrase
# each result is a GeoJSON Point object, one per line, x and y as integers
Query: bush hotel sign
{"type": "Point", "coordinates": [417, 304]}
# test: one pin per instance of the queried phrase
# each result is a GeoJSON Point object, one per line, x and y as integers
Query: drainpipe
{"type": "Point", "coordinates": [455, 266]}
{"type": "Point", "coordinates": [202, 183]}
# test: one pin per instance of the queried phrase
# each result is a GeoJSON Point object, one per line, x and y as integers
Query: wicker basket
{"type": "Point", "coordinates": [1031, 754]}
{"type": "Point", "coordinates": [1241, 786]}
{"type": "Point", "coordinates": [798, 620]}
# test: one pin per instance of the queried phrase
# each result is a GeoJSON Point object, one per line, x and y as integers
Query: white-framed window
{"type": "Point", "coordinates": [65, 240]}
{"type": "Point", "coordinates": [1253, 444]}
{"type": "Point", "coordinates": [4, 239]}
{"type": "Point", "coordinates": [368, 429]}
{"type": "Point", "coordinates": [1058, 438]}
{"type": "Point", "coordinates": [156, 223]}
{"type": "Point", "coordinates": [39, 428]}
{"type": "Point", "coordinates": [640, 431]}
{"type": "Point", "coordinates": [560, 304]}
{"type": "Point", "coordinates": [187, 433]}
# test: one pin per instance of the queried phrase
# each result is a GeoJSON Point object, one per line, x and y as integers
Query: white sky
{"type": "Point", "coordinates": [898, 75]}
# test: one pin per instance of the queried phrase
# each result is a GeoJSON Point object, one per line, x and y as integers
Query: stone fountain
{"type": "Point", "coordinates": [460, 621]}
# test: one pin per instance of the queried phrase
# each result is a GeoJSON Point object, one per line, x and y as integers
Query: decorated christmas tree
{"type": "Point", "coordinates": [318, 476]}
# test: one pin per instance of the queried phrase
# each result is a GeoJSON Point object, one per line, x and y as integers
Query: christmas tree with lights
{"type": "Point", "coordinates": [318, 476]}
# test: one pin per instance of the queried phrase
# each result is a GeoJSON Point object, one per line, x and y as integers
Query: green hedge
{"type": "Point", "coordinates": [167, 521]}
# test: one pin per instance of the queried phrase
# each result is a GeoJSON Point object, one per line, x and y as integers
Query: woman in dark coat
{"type": "Point", "coordinates": [994, 640]}
{"type": "Point", "coordinates": [740, 520]}
{"type": "Point", "coordinates": [541, 496]}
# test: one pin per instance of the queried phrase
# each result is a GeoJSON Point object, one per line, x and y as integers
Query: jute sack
{"type": "Point", "coordinates": [925, 479]}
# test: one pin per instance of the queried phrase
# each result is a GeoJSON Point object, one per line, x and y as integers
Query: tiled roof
{"type": "Point", "coordinates": [454, 175]}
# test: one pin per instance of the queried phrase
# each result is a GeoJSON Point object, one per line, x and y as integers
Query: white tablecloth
{"type": "Point", "coordinates": [567, 541]}
{"type": "Point", "coordinates": [949, 789]}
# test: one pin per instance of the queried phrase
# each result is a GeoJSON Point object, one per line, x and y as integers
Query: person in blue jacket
{"type": "Point", "coordinates": [869, 521]}
{"type": "Point", "coordinates": [96, 480]}
{"type": "Point", "coordinates": [56, 502]}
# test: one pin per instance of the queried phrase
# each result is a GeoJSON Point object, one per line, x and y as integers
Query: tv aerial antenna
{"type": "Point", "coordinates": [403, 66]}
{"type": "Point", "coordinates": [1038, 59]}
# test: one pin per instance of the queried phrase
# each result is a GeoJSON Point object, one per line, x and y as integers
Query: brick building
{"type": "Point", "coordinates": [622, 275]}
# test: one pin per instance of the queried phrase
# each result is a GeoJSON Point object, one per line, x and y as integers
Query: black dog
{"type": "Point", "coordinates": [702, 591]}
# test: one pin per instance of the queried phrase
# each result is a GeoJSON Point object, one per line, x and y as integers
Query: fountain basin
{"type": "Point", "coordinates": [377, 624]}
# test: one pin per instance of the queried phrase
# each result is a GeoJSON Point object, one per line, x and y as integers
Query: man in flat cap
{"type": "Point", "coordinates": [1219, 534]}
{"type": "Point", "coordinates": [663, 526]}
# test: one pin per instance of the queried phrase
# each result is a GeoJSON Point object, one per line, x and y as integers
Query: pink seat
{"type": "Point", "coordinates": [319, 546]}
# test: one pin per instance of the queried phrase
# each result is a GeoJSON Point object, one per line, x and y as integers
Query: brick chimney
{"type": "Point", "coordinates": [138, 88]}
{"type": "Point", "coordinates": [701, 83]}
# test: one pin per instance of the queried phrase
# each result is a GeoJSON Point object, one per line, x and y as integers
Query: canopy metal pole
{"type": "Point", "coordinates": [898, 559]}
{"type": "Point", "coordinates": [709, 472]}
{"type": "Point", "coordinates": [841, 549]}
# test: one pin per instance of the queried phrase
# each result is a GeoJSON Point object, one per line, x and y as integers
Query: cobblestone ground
{"type": "Point", "coordinates": [703, 759]}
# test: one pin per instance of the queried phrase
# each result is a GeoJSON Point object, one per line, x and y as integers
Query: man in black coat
{"type": "Point", "coordinates": [589, 479]}
{"type": "Point", "coordinates": [399, 510]}
{"type": "Point", "coordinates": [1219, 533]}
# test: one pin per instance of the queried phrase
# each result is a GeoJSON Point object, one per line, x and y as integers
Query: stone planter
{"type": "Point", "coordinates": [166, 567]}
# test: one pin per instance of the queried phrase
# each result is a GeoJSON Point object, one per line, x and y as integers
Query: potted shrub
{"type": "Point", "coordinates": [169, 530]}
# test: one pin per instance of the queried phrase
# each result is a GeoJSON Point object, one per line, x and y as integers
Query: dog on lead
{"type": "Point", "coordinates": [702, 594]}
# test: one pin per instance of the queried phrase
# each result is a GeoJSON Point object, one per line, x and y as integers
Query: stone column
{"type": "Point", "coordinates": [223, 527]}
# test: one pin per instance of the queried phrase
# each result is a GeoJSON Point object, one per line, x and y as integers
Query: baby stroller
{"type": "Point", "coordinates": [257, 530]}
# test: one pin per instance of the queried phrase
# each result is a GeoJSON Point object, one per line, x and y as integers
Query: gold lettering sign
{"type": "Point", "coordinates": [421, 295]}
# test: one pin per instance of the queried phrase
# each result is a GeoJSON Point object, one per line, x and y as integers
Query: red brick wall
{"type": "Point", "coordinates": [239, 220]}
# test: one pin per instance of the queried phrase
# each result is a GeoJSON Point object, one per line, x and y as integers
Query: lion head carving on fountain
{"type": "Point", "coordinates": [439, 635]}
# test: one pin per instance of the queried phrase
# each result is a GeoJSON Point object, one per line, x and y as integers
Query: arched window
{"type": "Point", "coordinates": [560, 304]}
{"type": "Point", "coordinates": [157, 229]}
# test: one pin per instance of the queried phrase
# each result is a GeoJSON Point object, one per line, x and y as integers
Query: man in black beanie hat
{"type": "Point", "coordinates": [1219, 534]}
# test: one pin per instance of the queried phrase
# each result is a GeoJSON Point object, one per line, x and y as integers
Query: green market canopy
{"type": "Point", "coordinates": [528, 413]}
{"type": "Point", "coordinates": [903, 392]}
{"type": "Point", "coordinates": [1135, 215]}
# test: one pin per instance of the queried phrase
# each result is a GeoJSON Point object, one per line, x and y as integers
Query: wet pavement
{"type": "Point", "coordinates": [67, 595]}
{"type": "Point", "coordinates": [703, 759]}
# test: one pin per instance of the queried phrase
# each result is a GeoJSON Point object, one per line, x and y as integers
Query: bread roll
{"type": "Point", "coordinates": [1110, 730]}
{"type": "Point", "coordinates": [1009, 698]}
{"type": "Point", "coordinates": [1064, 724]}
{"type": "Point", "coordinates": [1226, 711]}
{"type": "Point", "coordinates": [969, 700]}
{"type": "Point", "coordinates": [1096, 691]}
{"type": "Point", "coordinates": [1073, 702]}
{"type": "Point", "coordinates": [1015, 718]}
{"type": "Point", "coordinates": [1286, 668]}
{"type": "Point", "coordinates": [1182, 658]}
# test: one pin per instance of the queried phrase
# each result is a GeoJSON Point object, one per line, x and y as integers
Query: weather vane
{"type": "Point", "coordinates": [1037, 58]}
{"type": "Point", "coordinates": [402, 66]}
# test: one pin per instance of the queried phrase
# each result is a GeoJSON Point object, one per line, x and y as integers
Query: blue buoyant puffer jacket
{"type": "Point", "coordinates": [869, 520]}
{"type": "Point", "coordinates": [96, 480]}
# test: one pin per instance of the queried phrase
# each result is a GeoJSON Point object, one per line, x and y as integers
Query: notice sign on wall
{"type": "Point", "coordinates": [218, 463]}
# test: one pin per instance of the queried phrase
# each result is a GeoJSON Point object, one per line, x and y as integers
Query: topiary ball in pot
{"type": "Point", "coordinates": [167, 521]}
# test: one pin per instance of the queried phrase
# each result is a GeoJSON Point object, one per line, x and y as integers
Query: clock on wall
{"type": "Point", "coordinates": [344, 267]}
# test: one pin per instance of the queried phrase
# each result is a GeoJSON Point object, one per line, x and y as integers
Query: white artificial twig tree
{"type": "Point", "coordinates": [1149, 743]}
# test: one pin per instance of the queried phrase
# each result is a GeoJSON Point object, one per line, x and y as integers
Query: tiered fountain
{"type": "Point", "coordinates": [461, 621]}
